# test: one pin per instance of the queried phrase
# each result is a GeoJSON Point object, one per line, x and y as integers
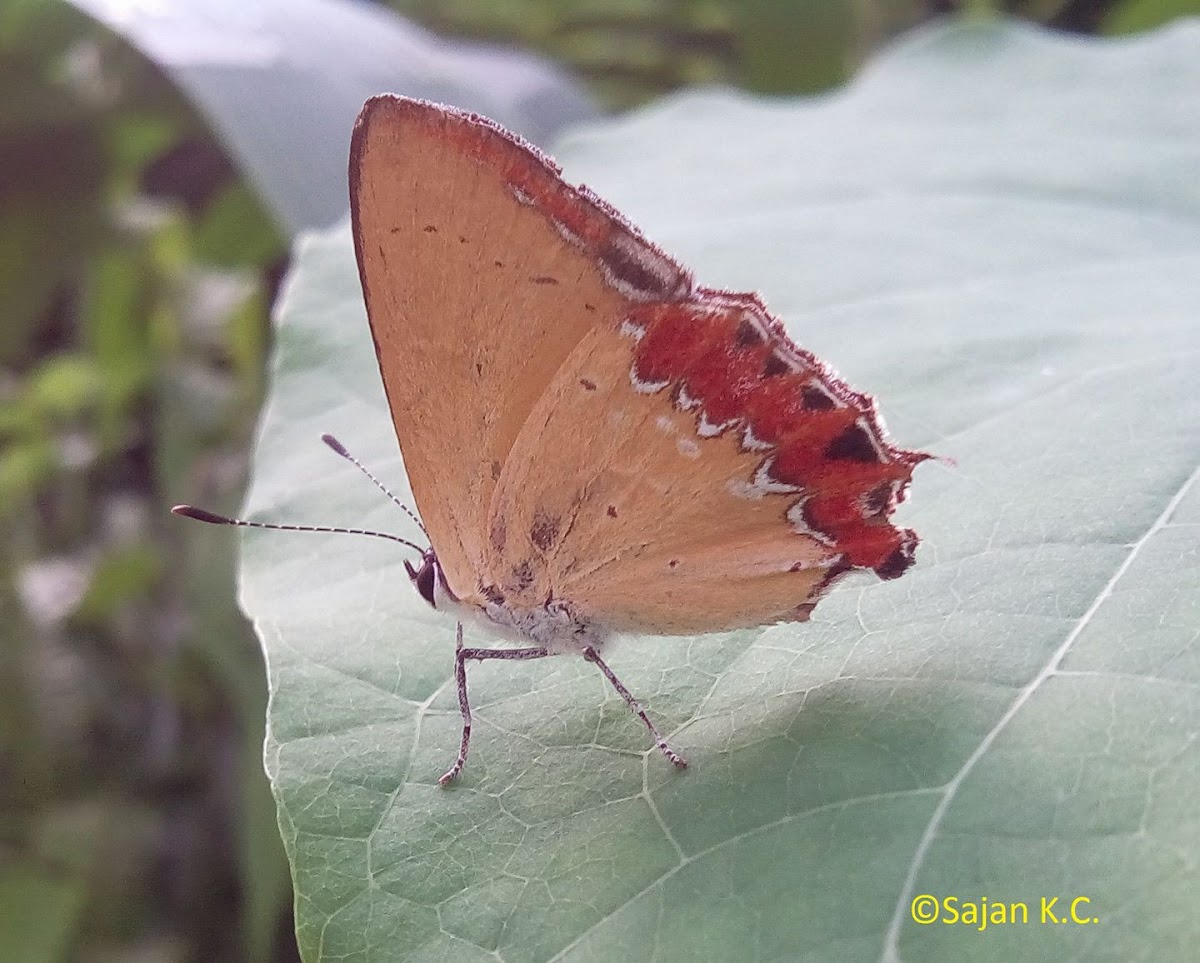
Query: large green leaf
{"type": "Point", "coordinates": [998, 233]}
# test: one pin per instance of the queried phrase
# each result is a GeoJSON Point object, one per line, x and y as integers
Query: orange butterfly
{"type": "Point", "coordinates": [595, 444]}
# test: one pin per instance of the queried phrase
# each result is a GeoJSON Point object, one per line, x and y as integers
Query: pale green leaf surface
{"type": "Point", "coordinates": [996, 232]}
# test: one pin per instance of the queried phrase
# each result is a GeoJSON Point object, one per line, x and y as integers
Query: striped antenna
{"type": "Point", "coordinates": [338, 447]}
{"type": "Point", "coordinates": [202, 515]}
{"type": "Point", "coordinates": [212, 518]}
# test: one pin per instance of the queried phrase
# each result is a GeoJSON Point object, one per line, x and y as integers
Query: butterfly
{"type": "Point", "coordinates": [595, 443]}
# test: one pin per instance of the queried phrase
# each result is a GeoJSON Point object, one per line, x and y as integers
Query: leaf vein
{"type": "Point", "coordinates": [890, 952]}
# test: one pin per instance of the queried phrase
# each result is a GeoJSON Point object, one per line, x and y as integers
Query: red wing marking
{"type": "Point", "coordinates": [725, 357]}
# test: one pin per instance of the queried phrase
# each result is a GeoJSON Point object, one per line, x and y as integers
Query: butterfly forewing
{"type": "Point", "coordinates": [474, 299]}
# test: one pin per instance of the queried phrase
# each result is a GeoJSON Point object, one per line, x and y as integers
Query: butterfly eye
{"type": "Point", "coordinates": [425, 577]}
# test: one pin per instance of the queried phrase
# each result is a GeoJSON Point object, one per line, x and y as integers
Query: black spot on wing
{"type": "Point", "coordinates": [815, 399]}
{"type": "Point", "coordinates": [775, 366]}
{"type": "Point", "coordinates": [544, 531]}
{"type": "Point", "coordinates": [900, 560]}
{"type": "Point", "coordinates": [853, 444]}
{"type": "Point", "coordinates": [522, 575]}
{"type": "Point", "coordinates": [624, 266]}
{"type": "Point", "coordinates": [747, 334]}
{"type": "Point", "coordinates": [876, 502]}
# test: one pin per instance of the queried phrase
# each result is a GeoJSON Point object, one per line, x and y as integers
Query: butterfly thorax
{"type": "Point", "coordinates": [554, 624]}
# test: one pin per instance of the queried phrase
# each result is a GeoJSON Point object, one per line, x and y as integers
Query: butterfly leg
{"type": "Point", "coordinates": [461, 656]}
{"type": "Point", "coordinates": [592, 655]}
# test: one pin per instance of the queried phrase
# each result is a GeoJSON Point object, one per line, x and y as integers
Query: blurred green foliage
{"type": "Point", "coordinates": [631, 50]}
{"type": "Point", "coordinates": [132, 346]}
{"type": "Point", "coordinates": [137, 270]}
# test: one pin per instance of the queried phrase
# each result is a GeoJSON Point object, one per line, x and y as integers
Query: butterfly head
{"type": "Point", "coordinates": [429, 580]}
